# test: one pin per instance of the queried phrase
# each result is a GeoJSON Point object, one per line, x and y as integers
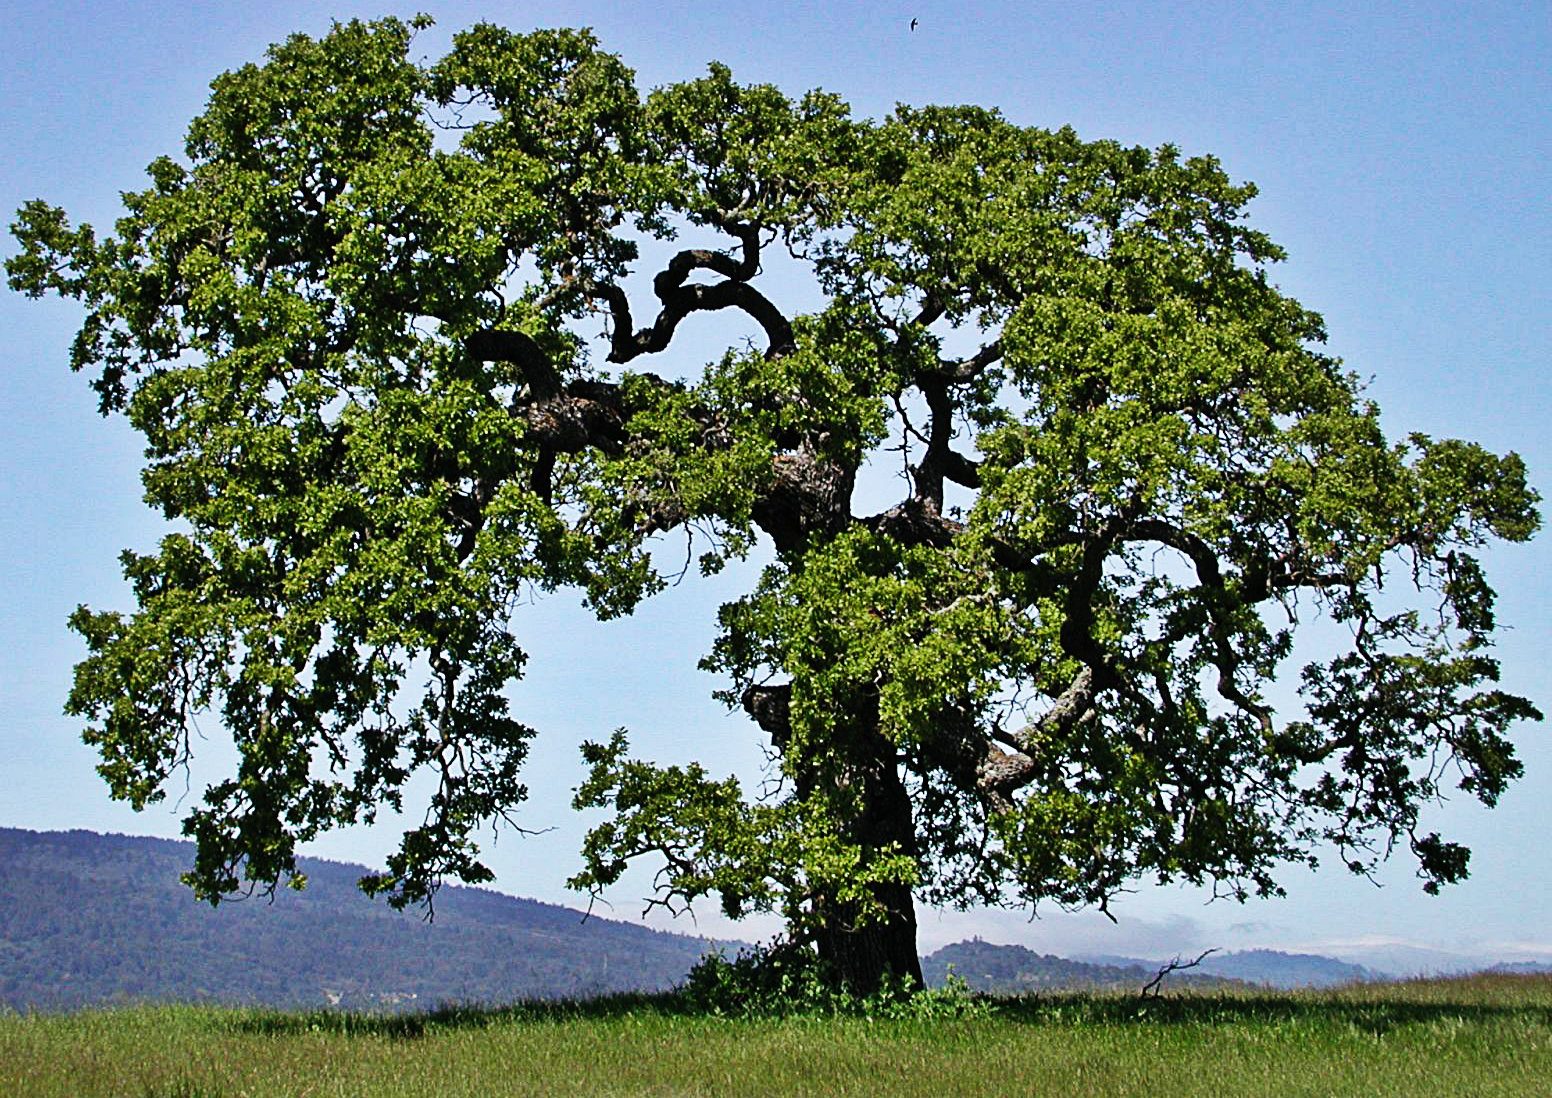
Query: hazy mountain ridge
{"type": "Point", "coordinates": [987, 966]}
{"type": "Point", "coordinates": [1523, 968]}
{"type": "Point", "coordinates": [96, 918]}
{"type": "Point", "coordinates": [1267, 967]}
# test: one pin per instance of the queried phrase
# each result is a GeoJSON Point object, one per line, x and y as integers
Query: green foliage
{"type": "Point", "coordinates": [753, 856]}
{"type": "Point", "coordinates": [355, 324]}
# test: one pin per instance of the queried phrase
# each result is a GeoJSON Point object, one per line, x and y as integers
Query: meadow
{"type": "Point", "coordinates": [1484, 1035]}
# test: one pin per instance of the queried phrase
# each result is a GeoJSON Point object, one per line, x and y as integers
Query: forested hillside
{"type": "Point", "coordinates": [94, 918]}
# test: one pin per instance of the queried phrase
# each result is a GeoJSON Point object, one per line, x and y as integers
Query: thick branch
{"type": "Point", "coordinates": [807, 495]}
{"type": "Point", "coordinates": [771, 708]}
{"type": "Point", "coordinates": [1210, 573]}
{"type": "Point", "coordinates": [911, 522]}
{"type": "Point", "coordinates": [518, 348]}
{"type": "Point", "coordinates": [1201, 554]}
{"type": "Point", "coordinates": [968, 369]}
{"type": "Point", "coordinates": [931, 311]}
{"type": "Point", "coordinates": [1072, 706]}
{"type": "Point", "coordinates": [556, 420]}
{"type": "Point", "coordinates": [680, 303]}
{"type": "Point", "coordinates": [679, 300]}
{"type": "Point", "coordinates": [960, 469]}
{"type": "Point", "coordinates": [1260, 580]}
{"type": "Point", "coordinates": [1078, 622]}
{"type": "Point", "coordinates": [586, 414]}
{"type": "Point", "coordinates": [941, 462]}
{"type": "Point", "coordinates": [927, 475]}
{"type": "Point", "coordinates": [559, 419]}
{"type": "Point", "coordinates": [914, 523]}
{"type": "Point", "coordinates": [693, 259]}
{"type": "Point", "coordinates": [1001, 772]}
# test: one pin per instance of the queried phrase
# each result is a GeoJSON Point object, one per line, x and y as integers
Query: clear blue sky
{"type": "Point", "coordinates": [1401, 151]}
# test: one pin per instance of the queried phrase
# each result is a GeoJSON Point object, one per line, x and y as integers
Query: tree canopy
{"type": "Point", "coordinates": [378, 328]}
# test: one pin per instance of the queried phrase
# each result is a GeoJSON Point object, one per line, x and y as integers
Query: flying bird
{"type": "Point", "coordinates": [913, 24]}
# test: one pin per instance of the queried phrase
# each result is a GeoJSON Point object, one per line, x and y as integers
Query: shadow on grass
{"type": "Point", "coordinates": [1375, 1010]}
{"type": "Point", "coordinates": [1376, 1013]}
{"type": "Point", "coordinates": [409, 1026]}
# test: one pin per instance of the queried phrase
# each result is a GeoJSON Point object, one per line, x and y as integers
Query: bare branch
{"type": "Point", "coordinates": [1150, 990]}
{"type": "Point", "coordinates": [679, 300]}
{"type": "Point", "coordinates": [520, 349]}
{"type": "Point", "coordinates": [679, 303]}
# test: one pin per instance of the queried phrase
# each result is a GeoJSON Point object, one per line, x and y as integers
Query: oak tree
{"type": "Point", "coordinates": [377, 327]}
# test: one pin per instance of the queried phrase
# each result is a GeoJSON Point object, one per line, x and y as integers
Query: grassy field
{"type": "Point", "coordinates": [1482, 1036]}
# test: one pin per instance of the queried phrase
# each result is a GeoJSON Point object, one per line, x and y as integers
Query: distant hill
{"type": "Point", "coordinates": [986, 966]}
{"type": "Point", "coordinates": [1400, 960]}
{"type": "Point", "coordinates": [88, 918]}
{"type": "Point", "coordinates": [1267, 967]}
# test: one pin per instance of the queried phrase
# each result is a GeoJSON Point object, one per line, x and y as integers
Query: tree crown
{"type": "Point", "coordinates": [357, 325]}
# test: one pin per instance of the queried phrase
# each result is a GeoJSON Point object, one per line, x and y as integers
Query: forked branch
{"type": "Point", "coordinates": [1151, 990]}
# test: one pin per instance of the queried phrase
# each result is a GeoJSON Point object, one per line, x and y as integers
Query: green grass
{"type": "Point", "coordinates": [1482, 1036]}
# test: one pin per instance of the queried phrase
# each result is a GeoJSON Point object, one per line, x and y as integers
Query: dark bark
{"type": "Point", "coordinates": [808, 497]}
{"type": "Point", "coordinates": [861, 953]}
{"type": "Point", "coordinates": [678, 300]}
{"type": "Point", "coordinates": [863, 957]}
{"type": "Point", "coordinates": [771, 708]}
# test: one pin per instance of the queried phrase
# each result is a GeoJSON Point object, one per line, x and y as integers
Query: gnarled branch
{"type": "Point", "coordinates": [520, 349]}
{"type": "Point", "coordinates": [679, 303]}
{"type": "Point", "coordinates": [1011, 766]}
{"type": "Point", "coordinates": [679, 300]}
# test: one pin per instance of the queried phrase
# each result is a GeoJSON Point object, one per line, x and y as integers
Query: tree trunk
{"type": "Point", "coordinates": [861, 957]}
{"type": "Point", "coordinates": [862, 954]}
{"type": "Point", "coordinates": [859, 954]}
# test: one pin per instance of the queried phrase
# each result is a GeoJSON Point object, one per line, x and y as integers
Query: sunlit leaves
{"type": "Point", "coordinates": [781, 856]}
